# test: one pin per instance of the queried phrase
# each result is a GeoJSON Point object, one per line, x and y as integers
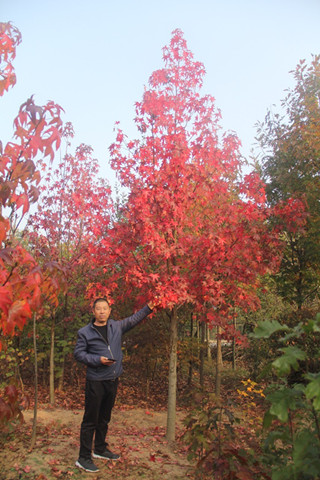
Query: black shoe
{"type": "Point", "coordinates": [86, 465]}
{"type": "Point", "coordinates": [107, 455]}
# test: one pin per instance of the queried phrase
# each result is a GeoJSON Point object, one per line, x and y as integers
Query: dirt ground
{"type": "Point", "coordinates": [137, 434]}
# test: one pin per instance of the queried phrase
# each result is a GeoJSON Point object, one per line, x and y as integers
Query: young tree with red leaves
{"type": "Point", "coordinates": [192, 230]}
{"type": "Point", "coordinates": [24, 286]}
{"type": "Point", "coordinates": [36, 133]}
{"type": "Point", "coordinates": [73, 211]}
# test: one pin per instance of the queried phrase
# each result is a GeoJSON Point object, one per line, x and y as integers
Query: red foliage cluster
{"type": "Point", "coordinates": [11, 403]}
{"type": "Point", "coordinates": [291, 215]}
{"type": "Point", "coordinates": [192, 230]}
{"type": "Point", "coordinates": [37, 131]}
{"type": "Point", "coordinates": [10, 37]}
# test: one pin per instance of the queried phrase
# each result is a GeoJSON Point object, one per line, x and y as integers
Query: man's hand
{"type": "Point", "coordinates": [154, 303]}
{"type": "Point", "coordinates": [106, 361]}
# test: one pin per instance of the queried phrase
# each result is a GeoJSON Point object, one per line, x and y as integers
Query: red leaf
{"type": "Point", "coordinates": [5, 410]}
{"type": "Point", "coordinates": [23, 201]}
{"type": "Point", "coordinates": [12, 393]}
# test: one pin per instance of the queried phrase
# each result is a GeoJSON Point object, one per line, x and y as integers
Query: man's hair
{"type": "Point", "coordinates": [101, 299]}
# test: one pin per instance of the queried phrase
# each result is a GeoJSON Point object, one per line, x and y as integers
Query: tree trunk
{"type": "Point", "coordinates": [63, 361]}
{"type": "Point", "coordinates": [208, 342]}
{"type": "Point", "coordinates": [202, 352]}
{"type": "Point", "coordinates": [218, 363]}
{"type": "Point", "coordinates": [51, 377]}
{"type": "Point", "coordinates": [17, 372]}
{"type": "Point", "coordinates": [35, 408]}
{"type": "Point", "coordinates": [154, 369]}
{"type": "Point", "coordinates": [172, 392]}
{"type": "Point", "coordinates": [61, 378]}
{"type": "Point", "coordinates": [234, 346]}
{"type": "Point", "coordinates": [198, 336]}
{"type": "Point", "coordinates": [191, 361]}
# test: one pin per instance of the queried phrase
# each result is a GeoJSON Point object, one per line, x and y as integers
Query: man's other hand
{"type": "Point", "coordinates": [106, 361]}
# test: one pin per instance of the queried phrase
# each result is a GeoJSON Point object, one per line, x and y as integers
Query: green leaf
{"type": "Point", "coordinates": [313, 389]}
{"type": "Point", "coordinates": [312, 326]}
{"type": "Point", "coordinates": [267, 419]}
{"type": "Point", "coordinates": [289, 359]}
{"type": "Point", "coordinates": [266, 328]}
{"type": "Point", "coordinates": [282, 401]}
{"type": "Point", "coordinates": [306, 454]}
{"type": "Point", "coordinates": [284, 473]}
{"type": "Point", "coordinates": [295, 332]}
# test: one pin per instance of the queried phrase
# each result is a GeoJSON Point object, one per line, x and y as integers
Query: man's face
{"type": "Point", "coordinates": [101, 311]}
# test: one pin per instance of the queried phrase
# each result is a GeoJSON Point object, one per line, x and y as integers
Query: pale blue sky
{"type": "Point", "coordinates": [94, 57]}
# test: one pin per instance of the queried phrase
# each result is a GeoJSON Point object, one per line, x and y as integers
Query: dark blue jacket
{"type": "Point", "coordinates": [91, 346]}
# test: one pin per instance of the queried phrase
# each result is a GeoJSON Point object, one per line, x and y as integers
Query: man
{"type": "Point", "coordinates": [99, 347]}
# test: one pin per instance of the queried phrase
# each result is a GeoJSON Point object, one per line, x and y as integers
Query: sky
{"type": "Point", "coordinates": [94, 58]}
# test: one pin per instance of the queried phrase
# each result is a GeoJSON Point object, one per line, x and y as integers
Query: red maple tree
{"type": "Point", "coordinates": [36, 133]}
{"type": "Point", "coordinates": [192, 231]}
{"type": "Point", "coordinates": [72, 212]}
{"type": "Point", "coordinates": [72, 215]}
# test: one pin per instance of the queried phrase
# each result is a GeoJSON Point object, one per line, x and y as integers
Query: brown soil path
{"type": "Point", "coordinates": [137, 434]}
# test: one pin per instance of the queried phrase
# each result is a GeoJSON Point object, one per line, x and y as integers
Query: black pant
{"type": "Point", "coordinates": [99, 401]}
